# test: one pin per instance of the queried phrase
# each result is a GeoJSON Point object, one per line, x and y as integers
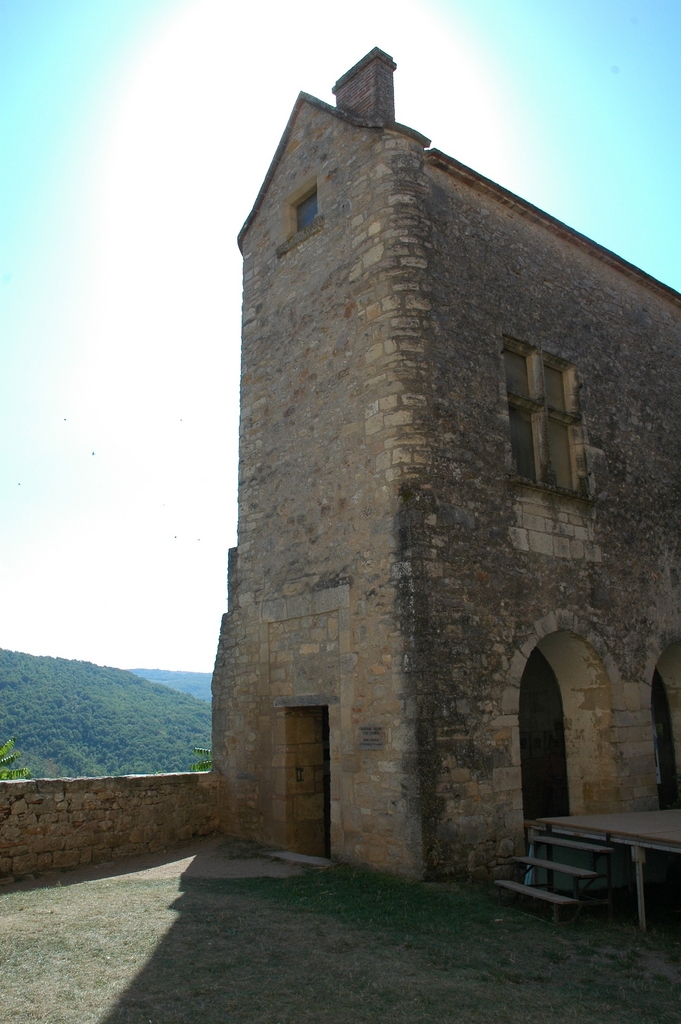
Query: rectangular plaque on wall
{"type": "Point", "coordinates": [371, 737]}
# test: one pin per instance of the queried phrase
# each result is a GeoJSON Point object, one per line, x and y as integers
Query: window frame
{"type": "Point", "coordinates": [536, 404]}
{"type": "Point", "coordinates": [293, 201]}
{"type": "Point", "coordinates": [300, 204]}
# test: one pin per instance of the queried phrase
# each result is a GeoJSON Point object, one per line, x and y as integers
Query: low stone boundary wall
{"type": "Point", "coordinates": [62, 823]}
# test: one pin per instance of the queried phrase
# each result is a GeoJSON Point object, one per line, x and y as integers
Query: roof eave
{"type": "Point", "coordinates": [436, 158]}
{"type": "Point", "coordinates": [343, 115]}
{"type": "Point", "coordinates": [283, 142]}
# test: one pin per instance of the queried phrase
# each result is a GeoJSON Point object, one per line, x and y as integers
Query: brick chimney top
{"type": "Point", "coordinates": [366, 90]}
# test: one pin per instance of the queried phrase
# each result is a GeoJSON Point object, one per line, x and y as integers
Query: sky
{"type": "Point", "coordinates": [134, 135]}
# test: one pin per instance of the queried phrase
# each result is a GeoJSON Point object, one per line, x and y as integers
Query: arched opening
{"type": "Point", "coordinates": [565, 681]}
{"type": "Point", "coordinates": [542, 741]}
{"type": "Point", "coordinates": [665, 707]}
{"type": "Point", "coordinates": [663, 740]}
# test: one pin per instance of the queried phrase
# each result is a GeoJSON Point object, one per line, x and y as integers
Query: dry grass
{"type": "Point", "coordinates": [337, 947]}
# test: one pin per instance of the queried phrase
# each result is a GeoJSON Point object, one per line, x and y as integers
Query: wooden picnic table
{"type": "Point", "coordinates": [640, 830]}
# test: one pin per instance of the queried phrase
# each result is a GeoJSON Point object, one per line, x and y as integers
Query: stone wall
{"type": "Point", "coordinates": [495, 565]}
{"type": "Point", "coordinates": [325, 426]}
{"type": "Point", "coordinates": [393, 562]}
{"type": "Point", "coordinates": [63, 823]}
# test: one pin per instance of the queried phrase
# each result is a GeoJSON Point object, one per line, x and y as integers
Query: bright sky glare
{"type": "Point", "coordinates": [135, 135]}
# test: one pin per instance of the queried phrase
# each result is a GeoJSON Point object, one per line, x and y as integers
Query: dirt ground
{"type": "Point", "coordinates": [216, 935]}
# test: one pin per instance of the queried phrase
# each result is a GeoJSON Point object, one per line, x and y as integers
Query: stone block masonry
{"type": "Point", "coordinates": [48, 824]}
{"type": "Point", "coordinates": [458, 507]}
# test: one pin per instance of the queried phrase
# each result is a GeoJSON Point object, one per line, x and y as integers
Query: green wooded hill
{"type": "Point", "coordinates": [75, 718]}
{"type": "Point", "coordinates": [196, 683]}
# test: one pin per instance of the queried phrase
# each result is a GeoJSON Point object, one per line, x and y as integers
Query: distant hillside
{"type": "Point", "coordinates": [74, 718]}
{"type": "Point", "coordinates": [196, 683]}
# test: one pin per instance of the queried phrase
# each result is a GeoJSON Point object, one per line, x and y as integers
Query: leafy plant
{"type": "Point", "coordinates": [205, 762]}
{"type": "Point", "coordinates": [8, 757]}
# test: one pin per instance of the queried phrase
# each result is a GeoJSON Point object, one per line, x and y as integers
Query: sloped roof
{"type": "Point", "coordinates": [343, 115]}
{"type": "Point", "coordinates": [477, 181]}
{"type": "Point", "coordinates": [448, 164]}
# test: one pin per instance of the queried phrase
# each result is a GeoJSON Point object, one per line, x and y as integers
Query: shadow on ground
{"type": "Point", "coordinates": [212, 858]}
{"type": "Point", "coordinates": [219, 933]}
{"type": "Point", "coordinates": [347, 946]}
{"type": "Point", "coordinates": [234, 957]}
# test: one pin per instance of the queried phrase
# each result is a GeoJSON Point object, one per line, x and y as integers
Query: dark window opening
{"type": "Point", "coordinates": [543, 417]}
{"type": "Point", "coordinates": [559, 454]}
{"type": "Point", "coordinates": [554, 385]}
{"type": "Point", "coordinates": [522, 443]}
{"type": "Point", "coordinates": [516, 373]}
{"type": "Point", "coordinates": [306, 212]}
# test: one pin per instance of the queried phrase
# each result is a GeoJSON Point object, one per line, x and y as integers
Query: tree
{"type": "Point", "coordinates": [205, 762]}
{"type": "Point", "coordinates": [7, 758]}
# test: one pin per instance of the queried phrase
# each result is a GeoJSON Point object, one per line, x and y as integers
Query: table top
{"type": "Point", "coordinates": [659, 830]}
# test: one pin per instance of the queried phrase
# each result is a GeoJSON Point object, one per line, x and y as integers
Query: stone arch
{"type": "Point", "coordinates": [587, 694]}
{"type": "Point", "coordinates": [559, 621]}
{"type": "Point", "coordinates": [589, 682]}
{"type": "Point", "coordinates": [668, 671]}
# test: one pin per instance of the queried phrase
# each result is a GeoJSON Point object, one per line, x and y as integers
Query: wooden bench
{"type": "Point", "coordinates": [582, 878]}
{"type": "Point", "coordinates": [556, 865]}
{"type": "Point", "coordinates": [553, 866]}
{"type": "Point", "coordinates": [556, 898]}
{"type": "Point", "coordinates": [569, 844]}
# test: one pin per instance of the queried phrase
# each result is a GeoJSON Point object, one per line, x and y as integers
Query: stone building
{"type": "Point", "coordinates": [455, 597]}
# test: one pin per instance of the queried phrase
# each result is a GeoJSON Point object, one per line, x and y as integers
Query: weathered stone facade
{"type": "Point", "coordinates": [394, 565]}
{"type": "Point", "coordinates": [47, 824]}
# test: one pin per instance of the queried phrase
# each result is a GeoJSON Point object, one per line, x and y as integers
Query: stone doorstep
{"type": "Point", "coordinates": [300, 858]}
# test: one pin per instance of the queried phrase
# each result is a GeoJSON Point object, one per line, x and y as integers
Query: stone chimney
{"type": "Point", "coordinates": [366, 90]}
